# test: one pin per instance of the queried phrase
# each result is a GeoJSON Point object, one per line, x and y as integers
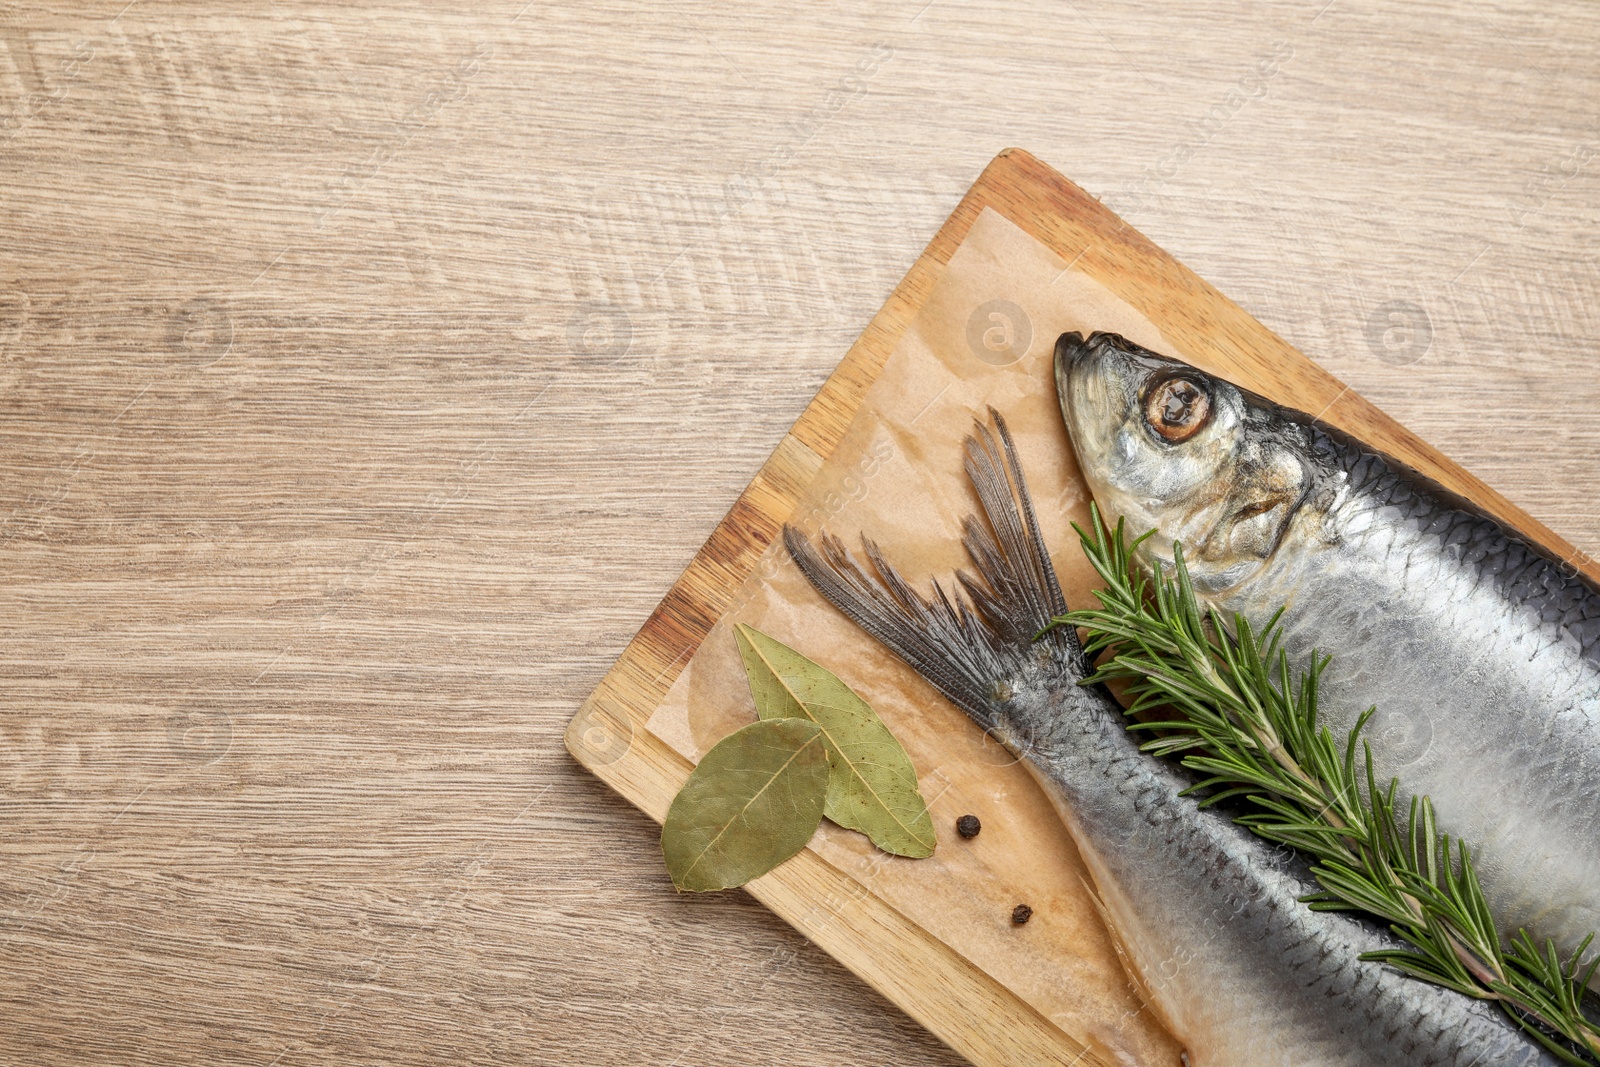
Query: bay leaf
{"type": "Point", "coordinates": [872, 786]}
{"type": "Point", "coordinates": [754, 801]}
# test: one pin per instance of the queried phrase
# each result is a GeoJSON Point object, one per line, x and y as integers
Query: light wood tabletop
{"type": "Point", "coordinates": [367, 373]}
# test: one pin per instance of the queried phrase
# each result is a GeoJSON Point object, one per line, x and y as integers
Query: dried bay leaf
{"type": "Point", "coordinates": [873, 785]}
{"type": "Point", "coordinates": [753, 801]}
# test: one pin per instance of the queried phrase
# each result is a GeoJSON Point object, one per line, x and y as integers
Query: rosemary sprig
{"type": "Point", "coordinates": [1227, 704]}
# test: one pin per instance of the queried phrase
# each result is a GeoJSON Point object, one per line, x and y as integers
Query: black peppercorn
{"type": "Point", "coordinates": [1021, 914]}
{"type": "Point", "coordinates": [968, 826]}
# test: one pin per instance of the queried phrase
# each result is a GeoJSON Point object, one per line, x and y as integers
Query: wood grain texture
{"type": "Point", "coordinates": [971, 1007]}
{"type": "Point", "coordinates": [369, 373]}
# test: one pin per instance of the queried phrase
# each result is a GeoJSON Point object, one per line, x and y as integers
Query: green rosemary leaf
{"type": "Point", "coordinates": [1229, 707]}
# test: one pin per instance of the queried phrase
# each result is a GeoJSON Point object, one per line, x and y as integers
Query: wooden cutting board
{"type": "Point", "coordinates": [930, 937]}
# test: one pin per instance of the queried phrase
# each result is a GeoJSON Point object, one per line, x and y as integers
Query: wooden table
{"type": "Point", "coordinates": [368, 373]}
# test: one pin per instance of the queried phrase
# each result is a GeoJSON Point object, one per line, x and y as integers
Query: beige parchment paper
{"type": "Point", "coordinates": [984, 338]}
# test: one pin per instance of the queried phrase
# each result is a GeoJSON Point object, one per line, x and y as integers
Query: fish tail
{"type": "Point", "coordinates": [974, 648]}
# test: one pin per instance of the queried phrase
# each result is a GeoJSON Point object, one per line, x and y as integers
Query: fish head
{"type": "Point", "coordinates": [1175, 450]}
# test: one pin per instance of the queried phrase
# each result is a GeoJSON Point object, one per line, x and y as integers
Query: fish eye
{"type": "Point", "coordinates": [1177, 407]}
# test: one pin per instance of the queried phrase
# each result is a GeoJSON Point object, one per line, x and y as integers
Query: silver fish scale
{"type": "Point", "coordinates": [1483, 659]}
{"type": "Point", "coordinates": [1210, 916]}
{"type": "Point", "coordinates": [1516, 571]}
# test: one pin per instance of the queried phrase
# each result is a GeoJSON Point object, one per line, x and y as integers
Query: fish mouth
{"type": "Point", "coordinates": [1119, 366]}
{"type": "Point", "coordinates": [1071, 350]}
{"type": "Point", "coordinates": [1070, 347]}
{"type": "Point", "coordinates": [1090, 374]}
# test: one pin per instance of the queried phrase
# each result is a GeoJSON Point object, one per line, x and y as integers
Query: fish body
{"type": "Point", "coordinates": [1480, 653]}
{"type": "Point", "coordinates": [1208, 916]}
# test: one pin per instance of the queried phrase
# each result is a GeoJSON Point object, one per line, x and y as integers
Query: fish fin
{"type": "Point", "coordinates": [973, 648]}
